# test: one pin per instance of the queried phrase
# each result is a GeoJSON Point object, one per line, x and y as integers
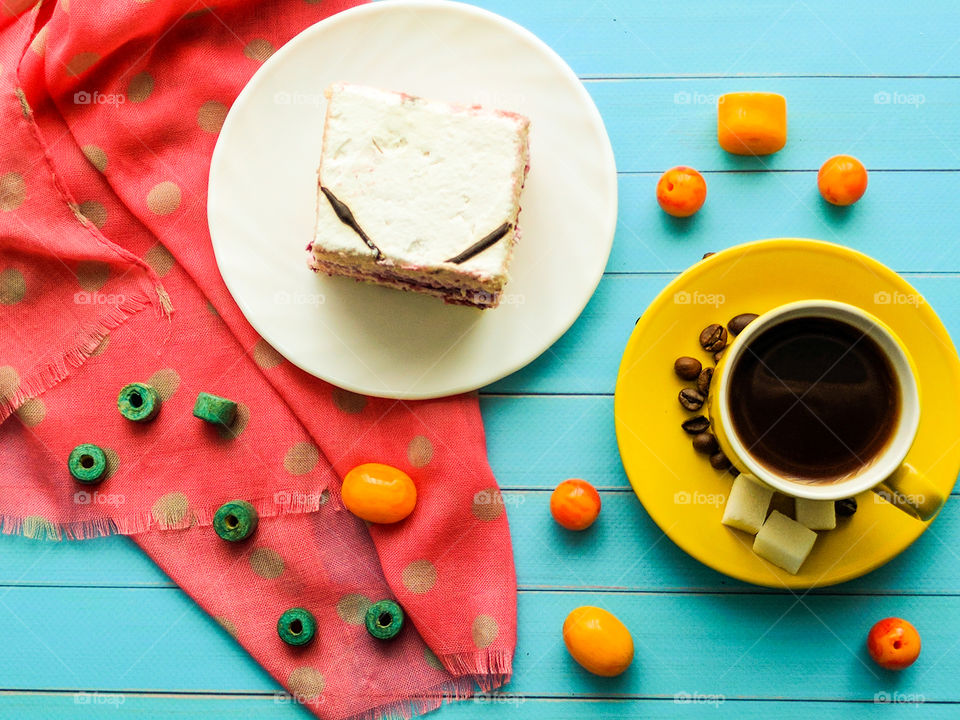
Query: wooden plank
{"type": "Point", "coordinates": [907, 220]}
{"type": "Point", "coordinates": [534, 443]}
{"type": "Point", "coordinates": [655, 124]}
{"type": "Point", "coordinates": [586, 358]}
{"type": "Point", "coordinates": [741, 646]}
{"type": "Point", "coordinates": [625, 550]}
{"type": "Point", "coordinates": [502, 705]}
{"type": "Point", "coordinates": [698, 37]}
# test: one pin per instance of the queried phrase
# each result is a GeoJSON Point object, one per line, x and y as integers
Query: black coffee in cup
{"type": "Point", "coordinates": [814, 399]}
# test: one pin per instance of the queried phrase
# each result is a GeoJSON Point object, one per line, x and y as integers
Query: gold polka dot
{"type": "Point", "coordinates": [352, 608]}
{"type": "Point", "coordinates": [266, 563]}
{"type": "Point", "coordinates": [9, 382]}
{"type": "Point", "coordinates": [165, 382]}
{"type": "Point", "coordinates": [258, 49]}
{"type": "Point", "coordinates": [65, 5]}
{"type": "Point", "coordinates": [96, 156]}
{"type": "Point", "coordinates": [239, 423]}
{"type": "Point", "coordinates": [301, 458]}
{"type": "Point", "coordinates": [81, 62]}
{"type": "Point", "coordinates": [92, 274]}
{"type": "Point", "coordinates": [305, 683]}
{"type": "Point", "coordinates": [432, 659]}
{"type": "Point", "coordinates": [37, 527]}
{"type": "Point", "coordinates": [99, 349]}
{"type": "Point", "coordinates": [163, 198]}
{"type": "Point", "coordinates": [487, 504]}
{"type": "Point", "coordinates": [227, 624]}
{"type": "Point", "coordinates": [140, 87]}
{"type": "Point", "coordinates": [419, 576]}
{"type": "Point", "coordinates": [170, 509]}
{"type": "Point", "coordinates": [420, 451]}
{"type": "Point", "coordinates": [24, 105]}
{"type": "Point", "coordinates": [265, 356]}
{"type": "Point", "coordinates": [349, 402]}
{"type": "Point", "coordinates": [113, 463]}
{"type": "Point", "coordinates": [12, 286]}
{"type": "Point", "coordinates": [484, 631]}
{"type": "Point", "coordinates": [211, 115]}
{"type": "Point", "coordinates": [13, 191]}
{"type": "Point", "coordinates": [94, 211]}
{"type": "Point", "coordinates": [39, 42]}
{"type": "Point", "coordinates": [32, 412]}
{"type": "Point", "coordinates": [160, 259]}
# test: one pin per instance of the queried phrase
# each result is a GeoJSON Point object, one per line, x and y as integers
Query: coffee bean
{"type": "Point", "coordinates": [703, 380]}
{"type": "Point", "coordinates": [687, 368]}
{"type": "Point", "coordinates": [705, 443]}
{"type": "Point", "coordinates": [713, 338]}
{"type": "Point", "coordinates": [845, 507]}
{"type": "Point", "coordinates": [707, 254]}
{"type": "Point", "coordinates": [733, 471]}
{"type": "Point", "coordinates": [719, 461]}
{"type": "Point", "coordinates": [695, 425]}
{"type": "Point", "coordinates": [691, 398]}
{"type": "Point", "coordinates": [717, 356]}
{"type": "Point", "coordinates": [738, 323]}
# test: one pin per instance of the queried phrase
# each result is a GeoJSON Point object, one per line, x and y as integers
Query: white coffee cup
{"type": "Point", "coordinates": [886, 471]}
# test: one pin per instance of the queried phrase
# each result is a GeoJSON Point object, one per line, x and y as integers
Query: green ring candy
{"type": "Point", "coordinates": [87, 464]}
{"type": "Point", "coordinates": [296, 627]}
{"type": "Point", "coordinates": [384, 620]}
{"type": "Point", "coordinates": [235, 520]}
{"type": "Point", "coordinates": [138, 402]}
{"type": "Point", "coordinates": [215, 410]}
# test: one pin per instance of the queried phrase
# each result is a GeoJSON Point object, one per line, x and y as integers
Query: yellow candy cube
{"type": "Point", "coordinates": [752, 123]}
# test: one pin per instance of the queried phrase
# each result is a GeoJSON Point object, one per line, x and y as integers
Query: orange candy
{"type": "Point", "coordinates": [681, 191]}
{"type": "Point", "coordinates": [598, 641]}
{"type": "Point", "coordinates": [752, 123]}
{"type": "Point", "coordinates": [893, 643]}
{"type": "Point", "coordinates": [378, 493]}
{"type": "Point", "coordinates": [575, 504]}
{"type": "Point", "coordinates": [842, 180]}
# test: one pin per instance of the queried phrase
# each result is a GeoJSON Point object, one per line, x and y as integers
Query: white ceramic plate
{"type": "Point", "coordinates": [385, 342]}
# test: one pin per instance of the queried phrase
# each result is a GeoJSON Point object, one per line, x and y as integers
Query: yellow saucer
{"type": "Point", "coordinates": [677, 486]}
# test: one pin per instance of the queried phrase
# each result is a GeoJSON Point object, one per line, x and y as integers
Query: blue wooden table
{"type": "Point", "coordinates": [94, 630]}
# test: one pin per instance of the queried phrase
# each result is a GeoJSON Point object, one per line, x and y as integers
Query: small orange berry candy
{"type": "Point", "coordinates": [842, 180]}
{"type": "Point", "coordinates": [893, 643]}
{"type": "Point", "coordinates": [752, 123]}
{"type": "Point", "coordinates": [378, 493]}
{"type": "Point", "coordinates": [575, 504]}
{"type": "Point", "coordinates": [681, 191]}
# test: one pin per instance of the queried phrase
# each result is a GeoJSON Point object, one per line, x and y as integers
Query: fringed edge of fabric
{"type": "Point", "coordinates": [284, 502]}
{"type": "Point", "coordinates": [45, 377]}
{"type": "Point", "coordinates": [489, 670]}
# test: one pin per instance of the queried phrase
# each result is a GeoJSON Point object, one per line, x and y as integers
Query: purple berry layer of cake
{"type": "Point", "coordinates": [418, 194]}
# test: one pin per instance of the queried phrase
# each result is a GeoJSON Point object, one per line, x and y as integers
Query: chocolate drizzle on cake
{"type": "Point", "coordinates": [480, 245]}
{"type": "Point", "coordinates": [346, 217]}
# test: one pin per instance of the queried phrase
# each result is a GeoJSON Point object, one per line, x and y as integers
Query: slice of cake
{"type": "Point", "coordinates": [418, 194]}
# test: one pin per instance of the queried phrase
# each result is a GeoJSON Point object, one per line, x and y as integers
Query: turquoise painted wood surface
{"type": "Point", "coordinates": [94, 630]}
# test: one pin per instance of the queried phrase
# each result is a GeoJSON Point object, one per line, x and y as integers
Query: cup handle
{"type": "Point", "coordinates": [909, 490]}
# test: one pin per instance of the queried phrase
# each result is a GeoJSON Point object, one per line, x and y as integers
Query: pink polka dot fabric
{"type": "Point", "coordinates": [110, 112]}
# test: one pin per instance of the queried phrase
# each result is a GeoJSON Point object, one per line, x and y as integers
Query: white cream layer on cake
{"type": "Point", "coordinates": [418, 184]}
